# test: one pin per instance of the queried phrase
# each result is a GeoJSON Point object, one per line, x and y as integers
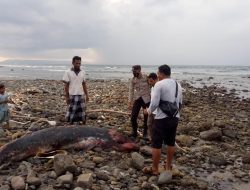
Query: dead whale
{"type": "Point", "coordinates": [64, 137]}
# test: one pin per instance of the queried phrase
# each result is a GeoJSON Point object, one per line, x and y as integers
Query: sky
{"type": "Point", "coordinates": [175, 32]}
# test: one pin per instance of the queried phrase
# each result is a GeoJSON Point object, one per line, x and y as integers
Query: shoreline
{"type": "Point", "coordinates": [224, 89]}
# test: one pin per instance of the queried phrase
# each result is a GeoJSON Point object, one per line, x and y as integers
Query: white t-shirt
{"type": "Point", "coordinates": [75, 81]}
{"type": "Point", "coordinates": [164, 90]}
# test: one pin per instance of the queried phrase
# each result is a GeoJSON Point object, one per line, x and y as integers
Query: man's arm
{"type": "Point", "coordinates": [155, 99]}
{"type": "Point", "coordinates": [66, 89]}
{"type": "Point", "coordinates": [84, 85]}
{"type": "Point", "coordinates": [131, 94]}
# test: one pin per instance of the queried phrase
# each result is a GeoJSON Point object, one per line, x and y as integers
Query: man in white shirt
{"type": "Point", "coordinates": [164, 130]}
{"type": "Point", "coordinates": [76, 93]}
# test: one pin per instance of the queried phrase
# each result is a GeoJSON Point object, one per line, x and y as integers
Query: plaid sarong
{"type": "Point", "coordinates": [77, 109]}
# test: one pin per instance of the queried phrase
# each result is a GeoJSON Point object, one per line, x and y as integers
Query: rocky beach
{"type": "Point", "coordinates": [213, 137]}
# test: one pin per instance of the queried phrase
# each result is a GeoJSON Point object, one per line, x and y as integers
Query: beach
{"type": "Point", "coordinates": [213, 134]}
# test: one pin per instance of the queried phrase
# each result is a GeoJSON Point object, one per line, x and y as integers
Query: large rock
{"type": "Point", "coordinates": [211, 135]}
{"type": "Point", "coordinates": [17, 183]}
{"type": "Point", "coordinates": [85, 180]}
{"type": "Point", "coordinates": [63, 163]}
{"type": "Point", "coordinates": [137, 160]}
{"type": "Point", "coordinates": [165, 177]}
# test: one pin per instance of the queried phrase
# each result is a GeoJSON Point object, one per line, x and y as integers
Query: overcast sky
{"type": "Point", "coordinates": [127, 31]}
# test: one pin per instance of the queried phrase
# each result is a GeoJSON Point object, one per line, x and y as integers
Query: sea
{"type": "Point", "coordinates": [233, 78]}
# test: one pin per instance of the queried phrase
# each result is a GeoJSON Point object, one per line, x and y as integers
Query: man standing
{"type": "Point", "coordinates": [76, 93]}
{"type": "Point", "coordinates": [139, 96]}
{"type": "Point", "coordinates": [164, 130]}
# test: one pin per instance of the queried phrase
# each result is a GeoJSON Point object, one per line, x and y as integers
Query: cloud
{"type": "Point", "coordinates": [127, 31]}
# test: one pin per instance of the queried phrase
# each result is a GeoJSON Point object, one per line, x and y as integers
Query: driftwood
{"type": "Point", "coordinates": [109, 111]}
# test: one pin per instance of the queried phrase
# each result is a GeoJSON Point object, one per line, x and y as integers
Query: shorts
{"type": "Point", "coordinates": [164, 131]}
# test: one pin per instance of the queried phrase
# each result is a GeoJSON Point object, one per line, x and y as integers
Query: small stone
{"type": "Point", "coordinates": [146, 185]}
{"type": "Point", "coordinates": [184, 140]}
{"type": "Point", "coordinates": [146, 150]}
{"type": "Point", "coordinates": [63, 163]}
{"type": "Point", "coordinates": [229, 133]}
{"type": "Point", "coordinates": [78, 188]}
{"type": "Point", "coordinates": [5, 187]}
{"type": "Point", "coordinates": [246, 158]}
{"type": "Point", "coordinates": [137, 160]}
{"type": "Point", "coordinates": [211, 135]}
{"type": "Point", "coordinates": [152, 179]}
{"type": "Point", "coordinates": [65, 179]}
{"type": "Point", "coordinates": [93, 116]}
{"type": "Point", "coordinates": [17, 183]}
{"type": "Point", "coordinates": [218, 160]}
{"type": "Point", "coordinates": [103, 175]}
{"type": "Point", "coordinates": [2, 133]}
{"type": "Point", "coordinates": [85, 180]}
{"type": "Point", "coordinates": [98, 160]}
{"type": "Point", "coordinates": [134, 188]}
{"type": "Point", "coordinates": [34, 181]}
{"type": "Point", "coordinates": [116, 172]}
{"type": "Point", "coordinates": [203, 185]}
{"type": "Point", "coordinates": [52, 175]}
{"type": "Point", "coordinates": [165, 177]}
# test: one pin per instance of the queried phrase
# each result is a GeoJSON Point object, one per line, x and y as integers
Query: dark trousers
{"type": "Point", "coordinates": [135, 112]}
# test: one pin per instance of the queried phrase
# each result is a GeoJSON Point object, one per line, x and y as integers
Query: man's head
{"type": "Point", "coordinates": [164, 71]}
{"type": "Point", "coordinates": [76, 61]}
{"type": "Point", "coordinates": [2, 88]}
{"type": "Point", "coordinates": [152, 79]}
{"type": "Point", "coordinates": [136, 69]}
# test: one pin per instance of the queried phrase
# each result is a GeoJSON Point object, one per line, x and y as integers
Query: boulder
{"type": "Point", "coordinates": [137, 160]}
{"type": "Point", "coordinates": [211, 135]}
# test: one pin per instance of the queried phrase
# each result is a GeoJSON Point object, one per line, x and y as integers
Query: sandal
{"type": "Point", "coordinates": [149, 170]}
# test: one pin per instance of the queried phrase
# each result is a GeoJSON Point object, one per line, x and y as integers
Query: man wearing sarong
{"type": "Point", "coordinates": [76, 93]}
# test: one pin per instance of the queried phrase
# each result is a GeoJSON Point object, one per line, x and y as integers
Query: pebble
{"type": "Point", "coordinates": [34, 181]}
{"type": "Point", "coordinates": [146, 150]}
{"type": "Point", "coordinates": [218, 160]}
{"type": "Point", "coordinates": [17, 183]}
{"type": "Point", "coordinates": [103, 175]}
{"type": "Point", "coordinates": [63, 163]}
{"type": "Point", "coordinates": [98, 160]}
{"type": "Point", "coordinates": [65, 179]}
{"type": "Point", "coordinates": [165, 177]}
{"type": "Point", "coordinates": [137, 160]}
{"type": "Point", "coordinates": [85, 180]}
{"type": "Point", "coordinates": [246, 158]}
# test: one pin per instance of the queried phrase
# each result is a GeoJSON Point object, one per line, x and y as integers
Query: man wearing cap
{"type": "Point", "coordinates": [139, 97]}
